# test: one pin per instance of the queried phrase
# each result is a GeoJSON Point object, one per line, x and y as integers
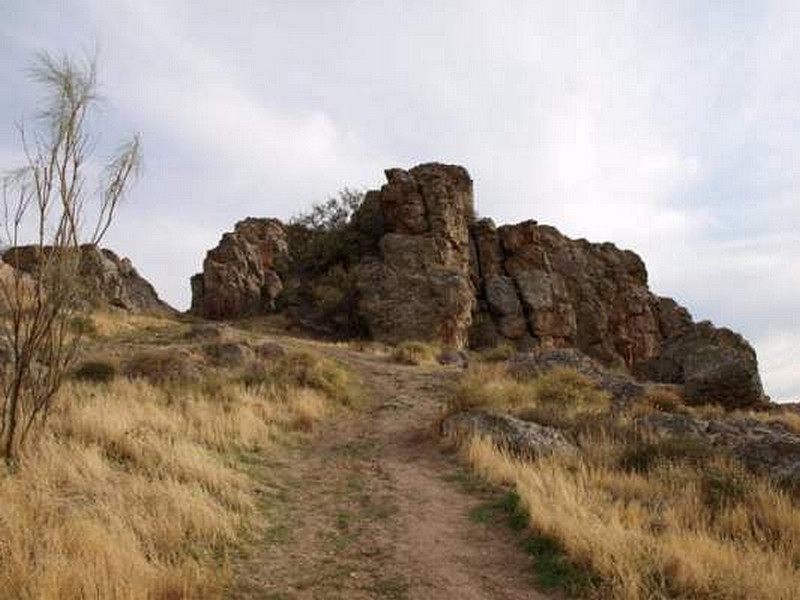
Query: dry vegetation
{"type": "Point", "coordinates": [414, 353]}
{"type": "Point", "coordinates": [140, 490]}
{"type": "Point", "coordinates": [649, 518]}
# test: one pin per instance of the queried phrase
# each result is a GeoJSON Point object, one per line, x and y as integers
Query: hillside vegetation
{"type": "Point", "coordinates": [139, 488]}
{"type": "Point", "coordinates": [648, 517]}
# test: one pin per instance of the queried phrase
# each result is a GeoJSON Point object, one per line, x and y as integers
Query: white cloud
{"type": "Point", "coordinates": [668, 128]}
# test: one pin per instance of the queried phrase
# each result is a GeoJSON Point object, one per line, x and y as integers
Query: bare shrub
{"type": "Point", "coordinates": [49, 203]}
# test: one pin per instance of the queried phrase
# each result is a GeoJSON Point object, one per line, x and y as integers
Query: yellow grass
{"type": "Point", "coordinates": [414, 353]}
{"type": "Point", "coordinates": [134, 490]}
{"type": "Point", "coordinates": [676, 529]}
{"type": "Point", "coordinates": [109, 324]}
{"type": "Point", "coordinates": [560, 391]}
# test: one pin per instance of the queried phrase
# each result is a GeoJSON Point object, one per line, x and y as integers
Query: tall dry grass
{"type": "Point", "coordinates": [676, 525]}
{"type": "Point", "coordinates": [136, 490]}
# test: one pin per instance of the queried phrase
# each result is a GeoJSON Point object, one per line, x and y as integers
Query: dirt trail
{"type": "Point", "coordinates": [374, 508]}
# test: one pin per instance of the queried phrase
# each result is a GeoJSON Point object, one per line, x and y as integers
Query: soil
{"type": "Point", "coordinates": [375, 507]}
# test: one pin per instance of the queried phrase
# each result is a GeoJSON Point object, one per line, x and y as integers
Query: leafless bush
{"type": "Point", "coordinates": [50, 205]}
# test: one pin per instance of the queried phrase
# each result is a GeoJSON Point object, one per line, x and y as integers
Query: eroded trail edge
{"type": "Point", "coordinates": [373, 508]}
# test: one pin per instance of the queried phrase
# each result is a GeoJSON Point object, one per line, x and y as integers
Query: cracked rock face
{"type": "Point", "coordinates": [420, 287]}
{"type": "Point", "coordinates": [107, 279]}
{"type": "Point", "coordinates": [422, 268]}
{"type": "Point", "coordinates": [240, 276]}
{"type": "Point", "coordinates": [543, 289]}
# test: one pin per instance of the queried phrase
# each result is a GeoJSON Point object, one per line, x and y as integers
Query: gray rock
{"type": "Point", "coordinates": [538, 361]}
{"type": "Point", "coordinates": [768, 448]}
{"type": "Point", "coordinates": [521, 438]}
{"type": "Point", "coordinates": [453, 358]}
{"type": "Point", "coordinates": [106, 280]}
{"type": "Point", "coordinates": [228, 354]}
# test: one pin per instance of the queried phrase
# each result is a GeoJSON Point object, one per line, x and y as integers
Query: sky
{"type": "Point", "coordinates": [670, 128]}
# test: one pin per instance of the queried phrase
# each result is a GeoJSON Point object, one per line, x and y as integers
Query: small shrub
{"type": "Point", "coordinates": [724, 484]}
{"type": "Point", "coordinates": [499, 353]}
{"type": "Point", "coordinates": [567, 389]}
{"type": "Point", "coordinates": [489, 386]}
{"type": "Point", "coordinates": [414, 353]}
{"type": "Point", "coordinates": [97, 371]}
{"type": "Point", "coordinates": [159, 366]}
{"type": "Point", "coordinates": [644, 456]}
{"type": "Point", "coordinates": [662, 398]}
{"type": "Point", "coordinates": [304, 369]}
{"type": "Point", "coordinates": [83, 325]}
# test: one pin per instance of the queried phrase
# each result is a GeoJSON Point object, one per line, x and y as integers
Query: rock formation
{"type": "Point", "coordinates": [241, 275]}
{"type": "Point", "coordinates": [413, 263]}
{"type": "Point", "coordinates": [108, 281]}
{"type": "Point", "coordinates": [419, 286]}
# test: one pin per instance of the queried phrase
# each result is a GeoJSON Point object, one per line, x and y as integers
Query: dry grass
{"type": "Point", "coordinates": [304, 369]}
{"type": "Point", "coordinates": [113, 324]}
{"type": "Point", "coordinates": [650, 521]}
{"type": "Point", "coordinates": [136, 490]}
{"type": "Point", "coordinates": [414, 353]}
{"type": "Point", "coordinates": [560, 392]}
{"type": "Point", "coordinates": [499, 353]}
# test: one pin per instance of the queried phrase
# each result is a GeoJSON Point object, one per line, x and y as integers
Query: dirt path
{"type": "Point", "coordinates": [374, 507]}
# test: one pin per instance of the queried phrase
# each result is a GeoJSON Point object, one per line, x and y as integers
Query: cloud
{"type": "Point", "coordinates": [671, 129]}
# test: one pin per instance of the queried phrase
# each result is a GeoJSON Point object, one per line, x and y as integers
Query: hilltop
{"type": "Point", "coordinates": [401, 401]}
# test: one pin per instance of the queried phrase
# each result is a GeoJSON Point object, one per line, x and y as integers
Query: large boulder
{"type": "Point", "coordinates": [106, 279]}
{"type": "Point", "coordinates": [518, 437]}
{"type": "Point", "coordinates": [715, 365]}
{"type": "Point", "coordinates": [241, 276]}
{"type": "Point", "coordinates": [419, 286]}
{"type": "Point", "coordinates": [570, 292]}
{"type": "Point", "coordinates": [526, 366]}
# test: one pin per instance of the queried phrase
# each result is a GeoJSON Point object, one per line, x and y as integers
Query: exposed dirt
{"type": "Point", "coordinates": [375, 508]}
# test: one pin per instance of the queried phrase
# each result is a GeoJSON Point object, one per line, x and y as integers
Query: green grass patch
{"type": "Point", "coordinates": [553, 568]}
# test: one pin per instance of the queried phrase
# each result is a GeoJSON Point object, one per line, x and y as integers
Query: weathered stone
{"type": "Point", "coordinates": [490, 254]}
{"type": "Point", "coordinates": [106, 280]}
{"type": "Point", "coordinates": [453, 358]}
{"type": "Point", "coordinates": [503, 301]}
{"type": "Point", "coordinates": [241, 276]}
{"type": "Point", "coordinates": [521, 438]}
{"type": "Point", "coordinates": [766, 447]}
{"type": "Point", "coordinates": [420, 287]}
{"type": "Point", "coordinates": [414, 264]}
{"type": "Point", "coordinates": [533, 363]}
{"type": "Point", "coordinates": [270, 351]}
{"type": "Point", "coordinates": [717, 366]}
{"type": "Point", "coordinates": [228, 354]}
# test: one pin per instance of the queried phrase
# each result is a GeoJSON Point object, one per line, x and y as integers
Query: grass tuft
{"type": "Point", "coordinates": [97, 371]}
{"type": "Point", "coordinates": [414, 353]}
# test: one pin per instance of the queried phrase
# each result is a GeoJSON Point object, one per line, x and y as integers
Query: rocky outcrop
{"type": "Point", "coordinates": [541, 288]}
{"type": "Point", "coordinates": [715, 365]}
{"type": "Point", "coordinates": [767, 447]}
{"type": "Point", "coordinates": [518, 437]}
{"type": "Point", "coordinates": [413, 263]}
{"type": "Point", "coordinates": [107, 280]}
{"type": "Point", "coordinates": [241, 276]}
{"type": "Point", "coordinates": [418, 286]}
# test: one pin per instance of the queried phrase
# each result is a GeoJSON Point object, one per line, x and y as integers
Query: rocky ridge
{"type": "Point", "coordinates": [107, 279]}
{"type": "Point", "coordinates": [414, 263]}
